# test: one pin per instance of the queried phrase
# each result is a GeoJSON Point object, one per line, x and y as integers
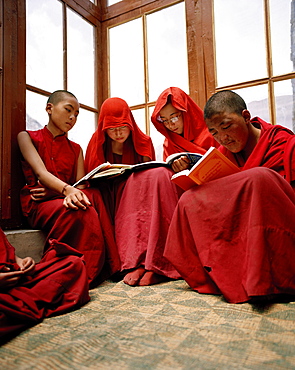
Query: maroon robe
{"type": "Point", "coordinates": [115, 113]}
{"type": "Point", "coordinates": [58, 285]}
{"type": "Point", "coordinates": [149, 197]}
{"type": "Point", "coordinates": [143, 218]}
{"type": "Point", "coordinates": [89, 231]}
{"type": "Point", "coordinates": [236, 235]}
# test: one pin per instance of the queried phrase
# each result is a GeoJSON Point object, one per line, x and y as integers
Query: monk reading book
{"type": "Point", "coordinates": [235, 235]}
{"type": "Point", "coordinates": [150, 197]}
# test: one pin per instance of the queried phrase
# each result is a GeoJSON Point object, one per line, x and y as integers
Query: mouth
{"type": "Point", "coordinates": [229, 143]}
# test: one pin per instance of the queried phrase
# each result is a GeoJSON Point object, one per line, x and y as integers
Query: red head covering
{"type": "Point", "coordinates": [115, 112]}
{"type": "Point", "coordinates": [196, 137]}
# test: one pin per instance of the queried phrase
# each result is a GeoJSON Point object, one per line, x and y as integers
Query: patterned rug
{"type": "Point", "coordinates": [165, 326]}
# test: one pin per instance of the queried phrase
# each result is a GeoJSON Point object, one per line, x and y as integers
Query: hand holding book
{"type": "Point", "coordinates": [212, 165]}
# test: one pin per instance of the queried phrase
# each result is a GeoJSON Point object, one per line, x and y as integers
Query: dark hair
{"type": "Point", "coordinates": [225, 100]}
{"type": "Point", "coordinates": [59, 95]}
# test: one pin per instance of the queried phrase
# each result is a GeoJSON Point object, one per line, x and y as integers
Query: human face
{"type": "Point", "coordinates": [63, 115]}
{"type": "Point", "coordinates": [119, 134]}
{"type": "Point", "coordinates": [172, 119]}
{"type": "Point", "coordinates": [230, 129]}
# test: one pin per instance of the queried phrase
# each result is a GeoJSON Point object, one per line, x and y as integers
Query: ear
{"type": "Point", "coordinates": [49, 108]}
{"type": "Point", "coordinates": [246, 115]}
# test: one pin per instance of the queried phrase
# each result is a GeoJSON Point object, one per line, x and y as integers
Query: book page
{"type": "Point", "coordinates": [213, 166]}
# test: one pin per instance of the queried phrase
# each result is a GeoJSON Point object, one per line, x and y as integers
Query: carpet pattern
{"type": "Point", "coordinates": [165, 326]}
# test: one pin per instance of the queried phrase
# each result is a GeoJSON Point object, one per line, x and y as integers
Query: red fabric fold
{"type": "Point", "coordinates": [58, 285]}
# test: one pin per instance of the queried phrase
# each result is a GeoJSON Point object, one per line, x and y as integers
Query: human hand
{"type": "Point", "coordinates": [180, 164]}
{"type": "Point", "coordinates": [27, 264]}
{"type": "Point", "coordinates": [75, 198]}
{"type": "Point", "coordinates": [42, 193]}
{"type": "Point", "coordinates": [9, 278]}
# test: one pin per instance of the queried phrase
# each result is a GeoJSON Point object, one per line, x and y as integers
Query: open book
{"type": "Point", "coordinates": [108, 170]}
{"type": "Point", "coordinates": [212, 165]}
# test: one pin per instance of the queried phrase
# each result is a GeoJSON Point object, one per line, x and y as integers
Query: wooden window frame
{"type": "Point", "coordinates": [13, 74]}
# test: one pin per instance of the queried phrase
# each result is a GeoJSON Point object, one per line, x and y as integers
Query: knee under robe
{"type": "Point", "coordinates": [143, 218]}
{"type": "Point", "coordinates": [59, 284]}
{"type": "Point", "coordinates": [236, 236]}
{"type": "Point", "coordinates": [88, 231]}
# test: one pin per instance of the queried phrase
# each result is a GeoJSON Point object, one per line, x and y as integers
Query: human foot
{"type": "Point", "coordinates": [133, 277]}
{"type": "Point", "coordinates": [150, 278]}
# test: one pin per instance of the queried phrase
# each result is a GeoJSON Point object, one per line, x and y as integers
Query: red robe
{"type": "Point", "coordinates": [196, 137]}
{"type": "Point", "coordinates": [58, 285]}
{"type": "Point", "coordinates": [115, 112]}
{"type": "Point", "coordinates": [149, 198]}
{"type": "Point", "coordinates": [90, 232]}
{"type": "Point", "coordinates": [236, 235]}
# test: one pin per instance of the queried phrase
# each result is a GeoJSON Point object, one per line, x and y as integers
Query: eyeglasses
{"type": "Point", "coordinates": [171, 120]}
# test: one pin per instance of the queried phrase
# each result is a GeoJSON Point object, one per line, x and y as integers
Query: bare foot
{"type": "Point", "coordinates": [133, 277]}
{"type": "Point", "coordinates": [150, 278]}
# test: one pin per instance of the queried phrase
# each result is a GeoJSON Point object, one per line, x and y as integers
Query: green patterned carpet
{"type": "Point", "coordinates": [165, 326]}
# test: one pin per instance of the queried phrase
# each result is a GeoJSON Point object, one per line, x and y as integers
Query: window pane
{"type": "Point", "coordinates": [36, 116]}
{"type": "Point", "coordinates": [280, 26]}
{"type": "Point", "coordinates": [167, 50]}
{"type": "Point", "coordinates": [256, 99]}
{"type": "Point", "coordinates": [81, 54]}
{"type": "Point", "coordinates": [240, 41]}
{"type": "Point", "coordinates": [157, 138]}
{"type": "Point", "coordinates": [126, 62]}
{"type": "Point", "coordinates": [44, 44]}
{"type": "Point", "coordinates": [139, 117]}
{"type": "Point", "coordinates": [111, 2]}
{"type": "Point", "coordinates": [84, 128]}
{"type": "Point", "coordinates": [284, 93]}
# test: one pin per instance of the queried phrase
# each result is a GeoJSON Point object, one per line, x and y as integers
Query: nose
{"type": "Point", "coordinates": [171, 124]}
{"type": "Point", "coordinates": [222, 137]}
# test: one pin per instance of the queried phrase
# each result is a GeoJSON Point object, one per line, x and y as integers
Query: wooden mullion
{"type": "Point", "coordinates": [126, 10]}
{"type": "Point", "coordinates": [13, 111]}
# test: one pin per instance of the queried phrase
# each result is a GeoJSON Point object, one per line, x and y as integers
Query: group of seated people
{"type": "Point", "coordinates": [233, 236]}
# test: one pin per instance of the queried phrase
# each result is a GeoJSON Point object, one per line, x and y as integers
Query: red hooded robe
{"type": "Point", "coordinates": [149, 197]}
{"type": "Point", "coordinates": [114, 113]}
{"type": "Point", "coordinates": [196, 137]}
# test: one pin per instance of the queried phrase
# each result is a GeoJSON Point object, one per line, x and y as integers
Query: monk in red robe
{"type": "Point", "coordinates": [52, 164]}
{"type": "Point", "coordinates": [117, 140]}
{"type": "Point", "coordinates": [30, 292]}
{"type": "Point", "coordinates": [236, 235]}
{"type": "Point", "coordinates": [149, 197]}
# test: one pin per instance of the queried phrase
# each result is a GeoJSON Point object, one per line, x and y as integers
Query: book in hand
{"type": "Point", "coordinates": [211, 166]}
{"type": "Point", "coordinates": [108, 170]}
{"type": "Point", "coordinates": [192, 157]}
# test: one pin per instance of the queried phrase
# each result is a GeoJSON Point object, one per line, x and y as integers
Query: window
{"type": "Point", "coordinates": [255, 55]}
{"type": "Point", "coordinates": [55, 62]}
{"type": "Point", "coordinates": [147, 55]}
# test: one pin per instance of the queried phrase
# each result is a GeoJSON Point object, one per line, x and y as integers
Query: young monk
{"type": "Point", "coordinates": [51, 164]}
{"type": "Point", "coordinates": [118, 140]}
{"type": "Point", "coordinates": [236, 235]}
{"type": "Point", "coordinates": [30, 292]}
{"type": "Point", "coordinates": [149, 197]}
